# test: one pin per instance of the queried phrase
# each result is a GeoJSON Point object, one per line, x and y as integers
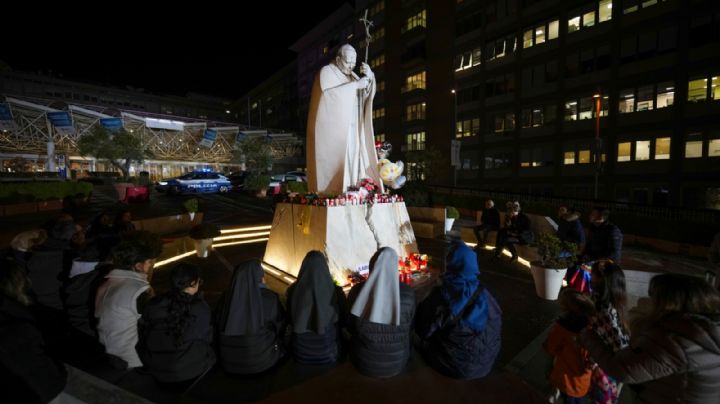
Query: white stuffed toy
{"type": "Point", "coordinates": [391, 173]}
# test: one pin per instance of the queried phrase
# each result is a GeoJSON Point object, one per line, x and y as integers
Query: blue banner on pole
{"type": "Point", "coordinates": [62, 121]}
{"type": "Point", "coordinates": [5, 114]}
{"type": "Point", "coordinates": [6, 118]}
{"type": "Point", "coordinates": [208, 138]}
{"type": "Point", "coordinates": [111, 124]}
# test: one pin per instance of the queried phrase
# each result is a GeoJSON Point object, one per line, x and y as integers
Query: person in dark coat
{"type": "Point", "coordinates": [604, 239]}
{"type": "Point", "coordinates": [316, 309]}
{"type": "Point", "coordinates": [382, 311]}
{"type": "Point", "coordinates": [569, 227]}
{"type": "Point", "coordinates": [251, 323]}
{"type": "Point", "coordinates": [459, 328]}
{"type": "Point", "coordinates": [27, 373]}
{"type": "Point", "coordinates": [176, 331]}
{"type": "Point", "coordinates": [675, 358]}
{"type": "Point", "coordinates": [517, 230]}
{"type": "Point", "coordinates": [489, 221]}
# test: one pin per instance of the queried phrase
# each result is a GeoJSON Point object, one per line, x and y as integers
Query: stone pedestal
{"type": "Point", "coordinates": [349, 235]}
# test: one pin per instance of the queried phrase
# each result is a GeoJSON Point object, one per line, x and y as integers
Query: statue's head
{"type": "Point", "coordinates": [346, 58]}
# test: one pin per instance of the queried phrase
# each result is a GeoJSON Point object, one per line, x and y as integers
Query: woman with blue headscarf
{"type": "Point", "coordinates": [459, 323]}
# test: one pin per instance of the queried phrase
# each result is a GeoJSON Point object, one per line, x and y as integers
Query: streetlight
{"type": "Point", "coordinates": [598, 164]}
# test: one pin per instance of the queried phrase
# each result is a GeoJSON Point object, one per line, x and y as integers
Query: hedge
{"type": "Point", "coordinates": [41, 191]}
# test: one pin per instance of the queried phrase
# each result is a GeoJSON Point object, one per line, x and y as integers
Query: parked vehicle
{"type": "Point", "coordinates": [196, 181]}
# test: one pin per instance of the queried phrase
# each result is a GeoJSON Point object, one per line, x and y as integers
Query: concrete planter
{"type": "Point", "coordinates": [20, 208]}
{"type": "Point", "coordinates": [548, 281]}
{"type": "Point", "coordinates": [169, 224]}
{"type": "Point", "coordinates": [203, 247]}
{"type": "Point", "coordinates": [50, 205]}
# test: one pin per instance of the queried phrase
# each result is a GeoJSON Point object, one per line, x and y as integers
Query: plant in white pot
{"type": "Point", "coordinates": [203, 235]}
{"type": "Point", "coordinates": [450, 215]}
{"type": "Point", "coordinates": [191, 206]}
{"type": "Point", "coordinates": [549, 271]}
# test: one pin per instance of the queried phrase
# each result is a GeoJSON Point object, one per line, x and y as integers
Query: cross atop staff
{"type": "Point", "coordinates": [367, 23]}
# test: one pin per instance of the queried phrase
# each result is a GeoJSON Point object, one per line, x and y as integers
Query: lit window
{"type": "Point", "coordinates": [553, 29]}
{"type": "Point", "coordinates": [642, 150]}
{"type": "Point", "coordinates": [499, 123]}
{"type": "Point", "coordinates": [527, 39]}
{"type": "Point", "coordinates": [583, 156]}
{"type": "Point", "coordinates": [589, 19]}
{"type": "Point", "coordinates": [631, 6]}
{"type": "Point", "coordinates": [665, 95]}
{"type": "Point", "coordinates": [417, 20]}
{"type": "Point", "coordinates": [715, 89]}
{"type": "Point", "coordinates": [626, 104]}
{"type": "Point", "coordinates": [624, 151]}
{"type": "Point", "coordinates": [571, 111]}
{"type": "Point", "coordinates": [662, 148]}
{"type": "Point", "coordinates": [697, 90]}
{"type": "Point", "coordinates": [380, 137]}
{"type": "Point", "coordinates": [415, 82]}
{"type": "Point", "coordinates": [645, 98]}
{"type": "Point", "coordinates": [648, 3]}
{"type": "Point", "coordinates": [605, 10]}
{"type": "Point", "coordinates": [586, 108]}
{"type": "Point", "coordinates": [693, 149]}
{"type": "Point", "coordinates": [415, 141]}
{"type": "Point", "coordinates": [573, 24]}
{"type": "Point", "coordinates": [569, 158]}
{"type": "Point", "coordinates": [714, 148]}
{"type": "Point", "coordinates": [540, 34]}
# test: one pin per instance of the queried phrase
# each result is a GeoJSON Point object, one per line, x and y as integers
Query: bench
{"type": "Point", "coordinates": [526, 252]}
{"type": "Point", "coordinates": [427, 222]}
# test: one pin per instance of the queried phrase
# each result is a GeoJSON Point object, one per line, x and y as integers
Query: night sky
{"type": "Point", "coordinates": [215, 49]}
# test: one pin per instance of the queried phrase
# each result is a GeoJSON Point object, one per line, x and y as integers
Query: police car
{"type": "Point", "coordinates": [196, 181]}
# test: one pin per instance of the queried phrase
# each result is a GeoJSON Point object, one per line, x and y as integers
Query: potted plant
{"type": "Point", "coordinates": [450, 215]}
{"type": "Point", "coordinates": [258, 183]}
{"type": "Point", "coordinates": [549, 271]}
{"type": "Point", "coordinates": [203, 234]}
{"type": "Point", "coordinates": [191, 207]}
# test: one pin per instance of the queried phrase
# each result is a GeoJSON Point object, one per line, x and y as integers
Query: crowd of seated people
{"type": "Point", "coordinates": [99, 287]}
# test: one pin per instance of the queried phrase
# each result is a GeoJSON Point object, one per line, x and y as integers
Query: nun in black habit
{"type": "Point", "coordinates": [251, 323]}
{"type": "Point", "coordinates": [317, 310]}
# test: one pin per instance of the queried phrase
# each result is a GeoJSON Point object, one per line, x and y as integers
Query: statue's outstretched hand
{"type": "Point", "coordinates": [365, 69]}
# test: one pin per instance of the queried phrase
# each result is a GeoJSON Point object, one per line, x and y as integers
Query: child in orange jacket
{"type": "Point", "coordinates": [572, 368]}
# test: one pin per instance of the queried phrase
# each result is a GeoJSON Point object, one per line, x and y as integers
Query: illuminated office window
{"type": "Point", "coordinates": [697, 90]}
{"type": "Point", "coordinates": [584, 157]}
{"type": "Point", "coordinates": [624, 151]}
{"type": "Point", "coordinates": [693, 149]}
{"type": "Point", "coordinates": [662, 148]}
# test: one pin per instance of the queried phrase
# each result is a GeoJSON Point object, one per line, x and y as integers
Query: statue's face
{"type": "Point", "coordinates": [346, 61]}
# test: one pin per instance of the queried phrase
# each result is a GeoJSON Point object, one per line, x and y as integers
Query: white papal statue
{"type": "Point", "coordinates": [340, 139]}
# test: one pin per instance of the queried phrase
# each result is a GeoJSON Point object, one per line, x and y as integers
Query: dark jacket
{"type": "Point", "coordinates": [247, 354]}
{"type": "Point", "coordinates": [457, 351]}
{"type": "Point", "coordinates": [382, 350]}
{"type": "Point", "coordinates": [491, 217]}
{"type": "Point", "coordinates": [520, 226]}
{"type": "Point", "coordinates": [27, 373]}
{"type": "Point", "coordinates": [604, 241]}
{"type": "Point", "coordinates": [312, 348]}
{"type": "Point", "coordinates": [165, 360]}
{"type": "Point", "coordinates": [47, 269]}
{"type": "Point", "coordinates": [571, 229]}
{"type": "Point", "coordinates": [677, 360]}
{"type": "Point", "coordinates": [78, 296]}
